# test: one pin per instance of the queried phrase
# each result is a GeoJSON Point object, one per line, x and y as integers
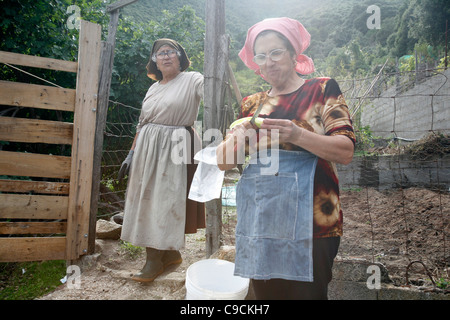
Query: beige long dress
{"type": "Point", "coordinates": [155, 207]}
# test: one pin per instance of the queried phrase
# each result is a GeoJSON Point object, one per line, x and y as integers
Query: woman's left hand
{"type": "Point", "coordinates": [288, 132]}
{"type": "Point", "coordinates": [337, 148]}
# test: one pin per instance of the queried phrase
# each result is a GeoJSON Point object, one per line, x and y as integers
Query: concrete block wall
{"type": "Point", "coordinates": [413, 113]}
{"type": "Point", "coordinates": [385, 172]}
{"type": "Point", "coordinates": [350, 282]}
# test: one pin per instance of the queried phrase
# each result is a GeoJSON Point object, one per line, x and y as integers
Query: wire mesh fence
{"type": "Point", "coordinates": [395, 194]}
{"type": "Point", "coordinates": [119, 133]}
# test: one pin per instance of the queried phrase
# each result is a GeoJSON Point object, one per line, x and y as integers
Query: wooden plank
{"type": "Point", "coordinates": [40, 187]}
{"type": "Point", "coordinates": [12, 228]}
{"type": "Point", "coordinates": [106, 67]}
{"type": "Point", "coordinates": [83, 141]}
{"type": "Point", "coordinates": [215, 29]}
{"type": "Point", "coordinates": [35, 131]}
{"type": "Point", "coordinates": [34, 165]}
{"type": "Point", "coordinates": [20, 206]}
{"type": "Point", "coordinates": [36, 96]}
{"type": "Point", "coordinates": [32, 249]}
{"type": "Point", "coordinates": [37, 62]}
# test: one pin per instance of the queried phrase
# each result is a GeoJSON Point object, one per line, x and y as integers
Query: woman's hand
{"type": "Point", "coordinates": [288, 132]}
{"type": "Point", "coordinates": [336, 148]}
{"type": "Point", "coordinates": [243, 133]}
{"type": "Point", "coordinates": [231, 152]}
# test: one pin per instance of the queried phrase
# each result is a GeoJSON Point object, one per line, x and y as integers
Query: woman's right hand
{"type": "Point", "coordinates": [126, 165]}
{"type": "Point", "coordinates": [231, 152]}
{"type": "Point", "coordinates": [242, 132]}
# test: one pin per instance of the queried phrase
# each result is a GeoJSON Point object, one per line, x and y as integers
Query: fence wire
{"type": "Point", "coordinates": [401, 177]}
{"type": "Point", "coordinates": [119, 133]}
{"type": "Point", "coordinates": [395, 194]}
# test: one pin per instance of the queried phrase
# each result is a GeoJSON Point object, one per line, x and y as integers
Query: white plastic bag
{"type": "Point", "coordinates": [208, 178]}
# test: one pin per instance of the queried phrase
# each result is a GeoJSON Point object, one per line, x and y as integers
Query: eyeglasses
{"type": "Point", "coordinates": [274, 55]}
{"type": "Point", "coordinates": [169, 53]}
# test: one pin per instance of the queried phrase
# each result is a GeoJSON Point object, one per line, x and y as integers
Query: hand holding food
{"type": "Point", "coordinates": [258, 122]}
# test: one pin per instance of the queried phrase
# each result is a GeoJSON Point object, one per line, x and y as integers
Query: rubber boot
{"type": "Point", "coordinates": [171, 257]}
{"type": "Point", "coordinates": [152, 268]}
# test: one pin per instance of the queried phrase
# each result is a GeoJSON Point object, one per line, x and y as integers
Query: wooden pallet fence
{"type": "Point", "coordinates": [45, 199]}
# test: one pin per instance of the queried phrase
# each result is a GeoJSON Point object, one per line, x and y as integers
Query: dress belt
{"type": "Point", "coordinates": [163, 125]}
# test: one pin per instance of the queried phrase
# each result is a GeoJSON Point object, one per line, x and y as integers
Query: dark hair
{"type": "Point", "coordinates": [285, 40]}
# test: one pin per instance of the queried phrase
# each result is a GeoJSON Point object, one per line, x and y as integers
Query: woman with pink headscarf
{"type": "Point", "coordinates": [289, 218]}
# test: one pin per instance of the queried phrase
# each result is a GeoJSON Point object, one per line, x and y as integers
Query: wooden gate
{"type": "Point", "coordinates": [39, 219]}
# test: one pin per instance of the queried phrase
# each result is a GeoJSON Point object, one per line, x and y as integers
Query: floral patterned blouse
{"type": "Point", "coordinates": [317, 106]}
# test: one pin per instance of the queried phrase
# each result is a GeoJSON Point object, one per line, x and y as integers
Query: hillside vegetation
{"type": "Point", "coordinates": [342, 44]}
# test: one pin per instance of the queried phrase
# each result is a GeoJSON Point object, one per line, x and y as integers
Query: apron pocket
{"type": "Point", "coordinates": [268, 205]}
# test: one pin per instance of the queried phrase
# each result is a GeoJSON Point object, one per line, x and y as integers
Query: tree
{"type": "Point", "coordinates": [134, 43]}
{"type": "Point", "coordinates": [431, 17]}
{"type": "Point", "coordinates": [403, 41]}
{"type": "Point", "coordinates": [40, 28]}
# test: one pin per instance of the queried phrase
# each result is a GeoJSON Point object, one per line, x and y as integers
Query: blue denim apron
{"type": "Point", "coordinates": [275, 217]}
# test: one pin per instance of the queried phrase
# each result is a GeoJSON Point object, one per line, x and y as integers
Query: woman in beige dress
{"type": "Point", "coordinates": [155, 207]}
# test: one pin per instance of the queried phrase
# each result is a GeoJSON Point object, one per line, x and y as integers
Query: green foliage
{"type": "Point", "coordinates": [441, 65]}
{"type": "Point", "coordinates": [425, 54]}
{"type": "Point", "coordinates": [442, 283]}
{"type": "Point", "coordinates": [146, 11]}
{"type": "Point", "coordinates": [134, 43]}
{"type": "Point", "coordinates": [407, 63]}
{"type": "Point", "coordinates": [30, 280]}
{"type": "Point", "coordinates": [342, 46]}
{"type": "Point", "coordinates": [430, 21]}
{"type": "Point", "coordinates": [402, 40]}
{"type": "Point", "coordinates": [130, 250]}
{"type": "Point", "coordinates": [40, 28]}
{"type": "Point", "coordinates": [364, 139]}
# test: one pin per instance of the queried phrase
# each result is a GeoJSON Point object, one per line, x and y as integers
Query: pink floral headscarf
{"type": "Point", "coordinates": [293, 30]}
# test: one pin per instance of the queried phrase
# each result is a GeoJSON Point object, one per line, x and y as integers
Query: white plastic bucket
{"type": "Point", "coordinates": [213, 279]}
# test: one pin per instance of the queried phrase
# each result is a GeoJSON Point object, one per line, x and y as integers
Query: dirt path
{"type": "Point", "coordinates": [393, 228]}
{"type": "Point", "coordinates": [109, 277]}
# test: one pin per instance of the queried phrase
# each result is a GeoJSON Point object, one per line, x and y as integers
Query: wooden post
{"type": "Point", "coordinates": [106, 66]}
{"type": "Point", "coordinates": [83, 140]}
{"type": "Point", "coordinates": [215, 27]}
{"type": "Point", "coordinates": [215, 73]}
{"type": "Point", "coordinates": [237, 92]}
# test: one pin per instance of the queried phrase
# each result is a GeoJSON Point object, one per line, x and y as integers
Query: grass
{"type": "Point", "coordinates": [30, 280]}
{"type": "Point", "coordinates": [132, 251]}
